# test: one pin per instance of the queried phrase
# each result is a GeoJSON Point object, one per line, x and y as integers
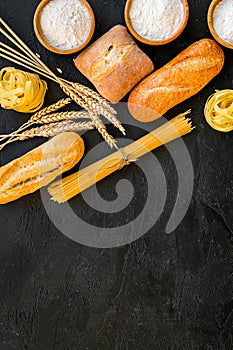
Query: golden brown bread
{"type": "Point", "coordinates": [114, 64]}
{"type": "Point", "coordinates": [178, 80]}
{"type": "Point", "coordinates": [40, 166]}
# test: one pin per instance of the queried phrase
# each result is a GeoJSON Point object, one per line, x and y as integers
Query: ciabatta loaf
{"type": "Point", "coordinates": [114, 64]}
{"type": "Point", "coordinates": [178, 80]}
{"type": "Point", "coordinates": [40, 166]}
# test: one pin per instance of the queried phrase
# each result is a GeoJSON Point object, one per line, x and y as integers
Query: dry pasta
{"type": "Point", "coordinates": [219, 110]}
{"type": "Point", "coordinates": [65, 189]}
{"type": "Point", "coordinates": [21, 91]}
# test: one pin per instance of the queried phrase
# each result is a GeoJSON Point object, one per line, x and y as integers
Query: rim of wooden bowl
{"type": "Point", "coordinates": [157, 42]}
{"type": "Point", "coordinates": [213, 4]}
{"type": "Point", "coordinates": [42, 39]}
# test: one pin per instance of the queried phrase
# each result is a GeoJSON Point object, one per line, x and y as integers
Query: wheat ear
{"type": "Point", "coordinates": [52, 108]}
{"type": "Point", "coordinates": [102, 130]}
{"type": "Point", "coordinates": [94, 95]}
{"type": "Point", "coordinates": [75, 96]}
{"type": "Point", "coordinates": [57, 117]}
{"type": "Point", "coordinates": [30, 60]}
{"type": "Point", "coordinates": [98, 105]}
{"type": "Point", "coordinates": [96, 120]}
{"type": "Point", "coordinates": [40, 115]}
{"type": "Point", "coordinates": [54, 129]}
{"type": "Point", "coordinates": [49, 130]}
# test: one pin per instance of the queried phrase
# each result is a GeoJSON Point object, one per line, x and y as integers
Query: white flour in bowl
{"type": "Point", "coordinates": [223, 20]}
{"type": "Point", "coordinates": [65, 24]}
{"type": "Point", "coordinates": [157, 20]}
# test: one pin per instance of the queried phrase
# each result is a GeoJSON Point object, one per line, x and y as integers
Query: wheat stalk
{"type": "Point", "coordinates": [54, 129]}
{"type": "Point", "coordinates": [112, 119]}
{"type": "Point", "coordinates": [83, 96]}
{"type": "Point", "coordinates": [49, 109]}
{"type": "Point", "coordinates": [75, 96]}
{"type": "Point", "coordinates": [47, 119]}
{"type": "Point", "coordinates": [37, 117]}
{"type": "Point", "coordinates": [57, 117]}
{"type": "Point", "coordinates": [49, 130]}
{"type": "Point", "coordinates": [99, 105]}
{"type": "Point", "coordinates": [90, 106]}
{"type": "Point", "coordinates": [100, 110]}
{"type": "Point", "coordinates": [102, 130]}
{"type": "Point", "coordinates": [94, 95]}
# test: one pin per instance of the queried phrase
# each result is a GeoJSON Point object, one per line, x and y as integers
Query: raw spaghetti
{"type": "Point", "coordinates": [219, 110]}
{"type": "Point", "coordinates": [21, 91]}
{"type": "Point", "coordinates": [65, 189]}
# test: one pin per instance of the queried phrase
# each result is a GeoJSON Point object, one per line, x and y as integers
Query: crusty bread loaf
{"type": "Point", "coordinates": [114, 64]}
{"type": "Point", "coordinates": [178, 80]}
{"type": "Point", "coordinates": [39, 167]}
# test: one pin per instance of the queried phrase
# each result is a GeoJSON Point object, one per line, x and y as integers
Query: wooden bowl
{"type": "Point", "coordinates": [157, 42]}
{"type": "Point", "coordinates": [42, 39]}
{"type": "Point", "coordinates": [210, 16]}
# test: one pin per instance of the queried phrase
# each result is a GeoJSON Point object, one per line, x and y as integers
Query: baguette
{"type": "Point", "coordinates": [178, 80]}
{"type": "Point", "coordinates": [114, 64]}
{"type": "Point", "coordinates": [40, 166]}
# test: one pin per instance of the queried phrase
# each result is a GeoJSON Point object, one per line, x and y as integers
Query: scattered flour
{"type": "Point", "coordinates": [65, 24]}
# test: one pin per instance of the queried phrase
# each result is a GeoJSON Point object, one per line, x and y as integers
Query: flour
{"type": "Point", "coordinates": [65, 24]}
{"type": "Point", "coordinates": [223, 20]}
{"type": "Point", "coordinates": [157, 19]}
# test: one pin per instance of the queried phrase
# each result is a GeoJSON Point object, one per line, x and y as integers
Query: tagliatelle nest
{"type": "Point", "coordinates": [21, 91]}
{"type": "Point", "coordinates": [219, 110]}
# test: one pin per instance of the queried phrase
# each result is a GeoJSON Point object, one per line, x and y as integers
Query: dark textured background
{"type": "Point", "coordinates": [168, 292]}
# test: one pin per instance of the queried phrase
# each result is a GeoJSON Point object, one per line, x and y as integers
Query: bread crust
{"type": "Point", "coordinates": [114, 64]}
{"type": "Point", "coordinates": [40, 166]}
{"type": "Point", "coordinates": [181, 78]}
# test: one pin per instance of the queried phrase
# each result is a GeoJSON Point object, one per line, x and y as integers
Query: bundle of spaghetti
{"type": "Point", "coordinates": [21, 91]}
{"type": "Point", "coordinates": [82, 95]}
{"type": "Point", "coordinates": [65, 189]}
{"type": "Point", "coordinates": [219, 110]}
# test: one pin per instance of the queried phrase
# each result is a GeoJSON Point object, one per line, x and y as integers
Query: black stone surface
{"type": "Point", "coordinates": [163, 291]}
